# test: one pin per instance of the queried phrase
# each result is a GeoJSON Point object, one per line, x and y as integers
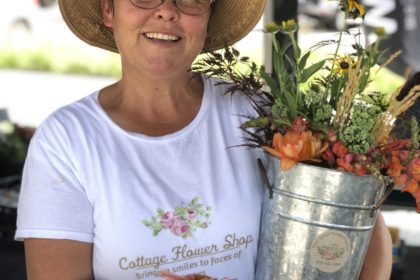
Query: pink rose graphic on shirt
{"type": "Point", "coordinates": [191, 214]}
{"type": "Point", "coordinates": [180, 227]}
{"type": "Point", "coordinates": [167, 219]}
{"type": "Point", "coordinates": [182, 221]}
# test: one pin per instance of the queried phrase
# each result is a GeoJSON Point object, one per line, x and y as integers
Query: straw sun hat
{"type": "Point", "coordinates": [231, 21]}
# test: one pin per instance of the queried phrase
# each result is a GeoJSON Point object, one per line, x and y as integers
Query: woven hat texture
{"type": "Point", "coordinates": [230, 21]}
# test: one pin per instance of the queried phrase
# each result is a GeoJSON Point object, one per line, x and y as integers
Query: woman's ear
{"type": "Point", "coordinates": [107, 12]}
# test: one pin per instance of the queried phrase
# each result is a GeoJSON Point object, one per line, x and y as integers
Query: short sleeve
{"type": "Point", "coordinates": [53, 202]}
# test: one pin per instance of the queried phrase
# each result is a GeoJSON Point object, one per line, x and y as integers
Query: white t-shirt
{"type": "Point", "coordinates": [184, 202]}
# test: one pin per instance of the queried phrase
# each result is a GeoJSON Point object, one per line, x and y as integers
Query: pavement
{"type": "Point", "coordinates": [30, 97]}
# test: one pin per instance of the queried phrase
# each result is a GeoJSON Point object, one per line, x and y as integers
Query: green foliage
{"type": "Point", "coordinates": [59, 60]}
{"type": "Point", "coordinates": [357, 135]}
{"type": "Point", "coordinates": [323, 114]}
{"type": "Point", "coordinates": [12, 145]}
{"type": "Point", "coordinates": [328, 91]}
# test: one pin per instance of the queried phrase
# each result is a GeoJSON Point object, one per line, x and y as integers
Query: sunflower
{"type": "Point", "coordinates": [353, 8]}
{"type": "Point", "coordinates": [343, 64]}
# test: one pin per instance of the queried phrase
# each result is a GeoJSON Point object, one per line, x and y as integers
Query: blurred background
{"type": "Point", "coordinates": [43, 66]}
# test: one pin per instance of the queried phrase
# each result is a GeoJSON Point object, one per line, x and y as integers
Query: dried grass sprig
{"type": "Point", "coordinates": [346, 100]}
{"type": "Point", "coordinates": [385, 122]}
{"type": "Point", "coordinates": [388, 61]}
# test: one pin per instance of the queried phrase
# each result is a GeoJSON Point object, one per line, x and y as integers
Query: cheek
{"type": "Point", "coordinates": [200, 29]}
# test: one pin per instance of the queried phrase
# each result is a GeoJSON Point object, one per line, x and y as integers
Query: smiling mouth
{"type": "Point", "coordinates": [163, 37]}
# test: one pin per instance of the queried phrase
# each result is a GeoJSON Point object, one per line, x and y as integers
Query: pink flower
{"type": "Point", "coordinates": [180, 227]}
{"type": "Point", "coordinates": [345, 162]}
{"type": "Point", "coordinates": [328, 155]}
{"type": "Point", "coordinates": [332, 136]}
{"type": "Point", "coordinates": [403, 155]}
{"type": "Point", "coordinates": [191, 214]}
{"type": "Point", "coordinates": [300, 125]}
{"type": "Point", "coordinates": [168, 219]}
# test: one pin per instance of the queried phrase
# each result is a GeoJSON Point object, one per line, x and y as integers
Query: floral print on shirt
{"type": "Point", "coordinates": [182, 221]}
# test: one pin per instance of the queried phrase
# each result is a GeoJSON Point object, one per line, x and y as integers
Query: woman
{"type": "Point", "coordinates": [135, 180]}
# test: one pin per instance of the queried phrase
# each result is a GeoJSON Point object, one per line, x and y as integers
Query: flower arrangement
{"type": "Point", "coordinates": [182, 221]}
{"type": "Point", "coordinates": [325, 113]}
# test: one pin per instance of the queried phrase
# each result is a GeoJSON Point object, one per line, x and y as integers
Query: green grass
{"type": "Point", "coordinates": [387, 81]}
{"type": "Point", "coordinates": [60, 59]}
{"type": "Point", "coordinates": [85, 60]}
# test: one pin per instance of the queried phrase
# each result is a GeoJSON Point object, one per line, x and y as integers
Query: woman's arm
{"type": "Point", "coordinates": [378, 259]}
{"type": "Point", "coordinates": [58, 259]}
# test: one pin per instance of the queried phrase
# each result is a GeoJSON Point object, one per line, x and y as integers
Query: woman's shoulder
{"type": "Point", "coordinates": [71, 117]}
{"type": "Point", "coordinates": [220, 85]}
{"type": "Point", "coordinates": [228, 95]}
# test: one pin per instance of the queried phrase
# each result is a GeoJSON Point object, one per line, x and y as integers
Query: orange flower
{"type": "Point", "coordinates": [401, 181]}
{"type": "Point", "coordinates": [413, 187]}
{"type": "Point", "coordinates": [340, 149]}
{"type": "Point", "coordinates": [344, 165]}
{"type": "Point", "coordinates": [294, 147]}
{"type": "Point", "coordinates": [395, 167]}
{"type": "Point", "coordinates": [414, 169]}
{"type": "Point", "coordinates": [407, 182]}
{"type": "Point", "coordinates": [396, 145]}
{"type": "Point", "coordinates": [360, 169]}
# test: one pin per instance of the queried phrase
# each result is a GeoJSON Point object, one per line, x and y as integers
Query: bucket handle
{"type": "Point", "coordinates": [388, 190]}
{"type": "Point", "coordinates": [263, 172]}
{"type": "Point", "coordinates": [264, 176]}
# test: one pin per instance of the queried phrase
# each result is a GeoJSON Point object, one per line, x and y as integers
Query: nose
{"type": "Point", "coordinates": [168, 11]}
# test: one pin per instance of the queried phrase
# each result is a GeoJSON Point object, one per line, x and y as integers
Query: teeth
{"type": "Point", "coordinates": [161, 36]}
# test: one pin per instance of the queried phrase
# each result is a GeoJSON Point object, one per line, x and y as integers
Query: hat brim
{"type": "Point", "coordinates": [230, 21]}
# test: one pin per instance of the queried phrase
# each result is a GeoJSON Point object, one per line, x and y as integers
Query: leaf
{"type": "Point", "coordinates": [299, 52]}
{"type": "Point", "coordinates": [157, 227]}
{"type": "Point", "coordinates": [308, 72]}
{"type": "Point", "coordinates": [304, 59]}
{"type": "Point", "coordinates": [270, 82]}
{"type": "Point", "coordinates": [336, 87]}
{"type": "Point", "coordinates": [147, 223]}
{"type": "Point", "coordinates": [291, 61]}
{"type": "Point", "coordinates": [363, 81]}
{"type": "Point", "coordinates": [195, 200]}
{"type": "Point", "coordinates": [278, 66]}
{"type": "Point", "coordinates": [181, 211]}
{"type": "Point", "coordinates": [160, 212]}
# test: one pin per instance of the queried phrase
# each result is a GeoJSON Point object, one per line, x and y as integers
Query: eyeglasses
{"type": "Point", "coordinates": [189, 7]}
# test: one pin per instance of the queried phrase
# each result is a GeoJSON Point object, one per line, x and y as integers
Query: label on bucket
{"type": "Point", "coordinates": [330, 251]}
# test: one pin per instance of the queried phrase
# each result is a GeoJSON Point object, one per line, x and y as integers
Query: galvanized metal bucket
{"type": "Point", "coordinates": [317, 223]}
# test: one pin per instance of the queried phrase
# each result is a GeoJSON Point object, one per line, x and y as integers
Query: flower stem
{"type": "Point", "coordinates": [340, 38]}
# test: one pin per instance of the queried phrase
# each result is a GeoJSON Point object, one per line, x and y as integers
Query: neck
{"type": "Point", "coordinates": [153, 106]}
